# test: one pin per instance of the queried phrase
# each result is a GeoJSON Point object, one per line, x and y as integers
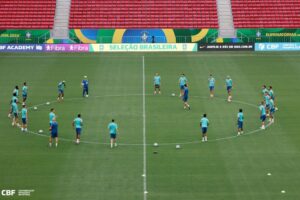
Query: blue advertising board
{"type": "Point", "coordinates": [284, 46]}
{"type": "Point", "coordinates": [22, 47]}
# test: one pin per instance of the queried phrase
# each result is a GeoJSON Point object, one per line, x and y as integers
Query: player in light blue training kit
{"type": "Point", "coordinates": [13, 99]}
{"type": "Point", "coordinates": [271, 93]}
{"type": "Point", "coordinates": [264, 90]}
{"type": "Point", "coordinates": [24, 113]}
{"type": "Point", "coordinates": [54, 133]}
{"type": "Point", "coordinates": [185, 97]}
{"type": "Point", "coordinates": [229, 85]}
{"type": "Point", "coordinates": [85, 87]}
{"type": "Point", "coordinates": [267, 102]}
{"type": "Point", "coordinates": [240, 121]}
{"type": "Point", "coordinates": [16, 91]}
{"type": "Point", "coordinates": [61, 90]}
{"type": "Point", "coordinates": [113, 131]}
{"type": "Point", "coordinates": [272, 110]}
{"type": "Point", "coordinates": [51, 116]}
{"type": "Point", "coordinates": [77, 124]}
{"type": "Point", "coordinates": [15, 111]}
{"type": "Point", "coordinates": [24, 91]}
{"type": "Point", "coordinates": [263, 114]}
{"type": "Point", "coordinates": [156, 83]}
{"type": "Point", "coordinates": [211, 84]}
{"type": "Point", "coordinates": [204, 122]}
{"type": "Point", "coordinates": [182, 81]}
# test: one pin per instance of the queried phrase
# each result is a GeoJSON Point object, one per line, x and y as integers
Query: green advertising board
{"type": "Point", "coordinates": [24, 36]}
{"type": "Point", "coordinates": [269, 35]}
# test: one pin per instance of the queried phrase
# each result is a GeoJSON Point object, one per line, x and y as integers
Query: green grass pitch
{"type": "Point", "coordinates": [225, 168]}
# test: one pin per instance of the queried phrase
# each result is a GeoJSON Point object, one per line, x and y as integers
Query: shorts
{"type": "Point", "coordinates": [15, 115]}
{"type": "Point", "coordinates": [211, 88]}
{"type": "Point", "coordinates": [24, 121]}
{"type": "Point", "coordinates": [24, 96]}
{"type": "Point", "coordinates": [78, 130]}
{"type": "Point", "coordinates": [181, 87]}
{"type": "Point", "coordinates": [240, 124]}
{"type": "Point", "coordinates": [272, 110]}
{"type": "Point", "coordinates": [54, 135]}
{"type": "Point", "coordinates": [268, 106]}
{"type": "Point", "coordinates": [263, 118]}
{"type": "Point", "coordinates": [185, 99]}
{"type": "Point", "coordinates": [60, 92]}
{"type": "Point", "coordinates": [113, 136]}
{"type": "Point", "coordinates": [157, 86]}
{"type": "Point", "coordinates": [229, 88]}
{"type": "Point", "coordinates": [204, 130]}
{"type": "Point", "coordinates": [85, 89]}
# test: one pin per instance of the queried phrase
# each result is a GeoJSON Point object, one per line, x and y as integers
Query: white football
{"type": "Point", "coordinates": [155, 144]}
{"type": "Point", "coordinates": [173, 94]}
{"type": "Point", "coordinates": [41, 131]}
{"type": "Point", "coordinates": [177, 146]}
{"type": "Point", "coordinates": [48, 103]}
{"type": "Point", "coordinates": [35, 108]}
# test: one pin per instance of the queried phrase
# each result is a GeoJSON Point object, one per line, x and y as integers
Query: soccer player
{"type": "Point", "coordinates": [85, 87]}
{"type": "Point", "coordinates": [272, 111]}
{"type": "Point", "coordinates": [267, 102]}
{"type": "Point", "coordinates": [182, 82]}
{"type": "Point", "coordinates": [263, 113]}
{"type": "Point", "coordinates": [61, 90]}
{"type": "Point", "coordinates": [51, 116]}
{"type": "Point", "coordinates": [229, 88]}
{"type": "Point", "coordinates": [16, 91]}
{"type": "Point", "coordinates": [54, 132]}
{"type": "Point", "coordinates": [271, 93]}
{"type": "Point", "coordinates": [156, 83]}
{"type": "Point", "coordinates": [24, 118]}
{"type": "Point", "coordinates": [13, 99]}
{"type": "Point", "coordinates": [204, 122]}
{"type": "Point", "coordinates": [113, 130]}
{"type": "Point", "coordinates": [211, 83]}
{"type": "Point", "coordinates": [264, 90]}
{"type": "Point", "coordinates": [24, 92]}
{"type": "Point", "coordinates": [77, 124]}
{"type": "Point", "coordinates": [185, 97]}
{"type": "Point", "coordinates": [15, 111]}
{"type": "Point", "coordinates": [240, 121]}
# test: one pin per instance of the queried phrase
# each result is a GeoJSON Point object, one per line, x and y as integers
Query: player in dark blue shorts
{"type": "Point", "coordinates": [85, 87]}
{"type": "Point", "coordinates": [185, 97]}
{"type": "Point", "coordinates": [54, 133]}
{"type": "Point", "coordinates": [204, 125]}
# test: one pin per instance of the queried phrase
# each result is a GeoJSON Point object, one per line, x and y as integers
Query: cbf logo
{"type": "Point", "coordinates": [258, 34]}
{"type": "Point", "coordinates": [28, 35]}
{"type": "Point", "coordinates": [144, 36]}
{"type": "Point", "coordinates": [262, 46]}
{"type": "Point", "coordinates": [8, 192]}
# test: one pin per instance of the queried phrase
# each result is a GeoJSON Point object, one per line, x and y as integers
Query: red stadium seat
{"type": "Point", "coordinates": [266, 13]}
{"type": "Point", "coordinates": [30, 14]}
{"type": "Point", "coordinates": [143, 14]}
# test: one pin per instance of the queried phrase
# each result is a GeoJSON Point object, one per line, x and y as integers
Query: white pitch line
{"type": "Point", "coordinates": [144, 135]}
{"type": "Point", "coordinates": [142, 144]}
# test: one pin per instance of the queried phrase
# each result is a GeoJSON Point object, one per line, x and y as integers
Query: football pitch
{"type": "Point", "coordinates": [259, 165]}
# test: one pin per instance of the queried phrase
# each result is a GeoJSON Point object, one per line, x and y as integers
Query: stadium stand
{"type": "Point", "coordinates": [266, 13]}
{"type": "Point", "coordinates": [29, 14]}
{"type": "Point", "coordinates": [143, 14]}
